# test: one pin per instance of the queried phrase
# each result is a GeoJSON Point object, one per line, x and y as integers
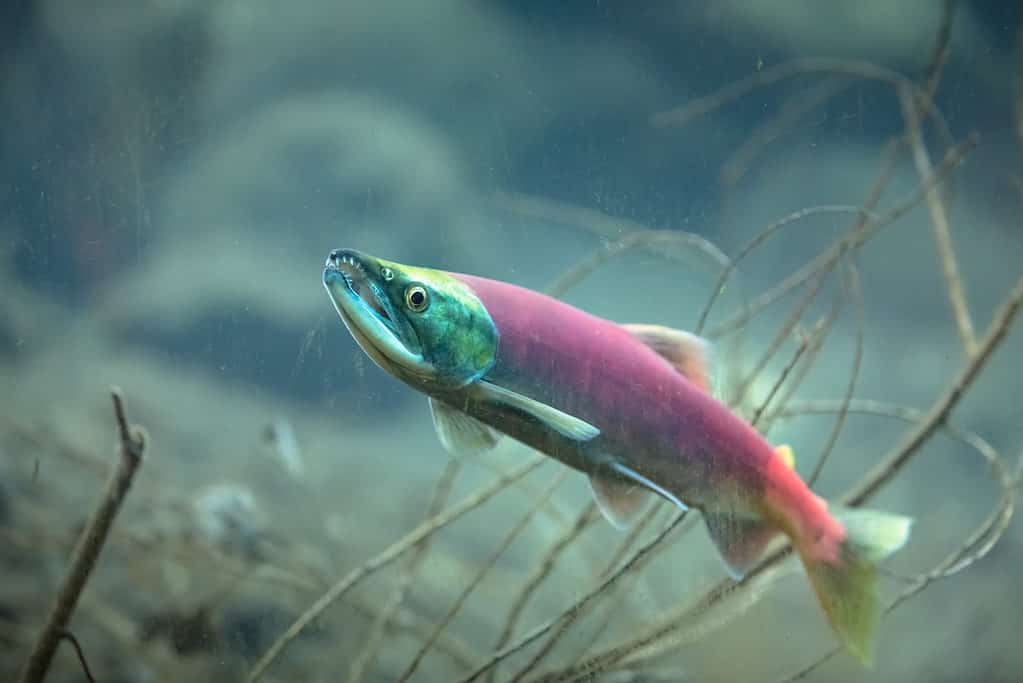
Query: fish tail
{"type": "Point", "coordinates": [841, 564]}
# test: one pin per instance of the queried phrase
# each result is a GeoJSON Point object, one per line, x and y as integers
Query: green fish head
{"type": "Point", "coordinates": [423, 326]}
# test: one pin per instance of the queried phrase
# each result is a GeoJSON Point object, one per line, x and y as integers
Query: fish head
{"type": "Point", "coordinates": [424, 326]}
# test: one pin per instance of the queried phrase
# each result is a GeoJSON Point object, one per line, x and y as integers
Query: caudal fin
{"type": "Point", "coordinates": [846, 581]}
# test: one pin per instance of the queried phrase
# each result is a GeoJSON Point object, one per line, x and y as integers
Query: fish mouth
{"type": "Point", "coordinates": [353, 284]}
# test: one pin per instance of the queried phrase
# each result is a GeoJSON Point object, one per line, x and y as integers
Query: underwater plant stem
{"type": "Point", "coordinates": [83, 559]}
{"type": "Point", "coordinates": [637, 560]}
{"type": "Point", "coordinates": [481, 574]}
{"type": "Point", "coordinates": [586, 517]}
{"type": "Point", "coordinates": [939, 221]}
{"type": "Point", "coordinates": [933, 420]}
{"type": "Point", "coordinates": [792, 110]}
{"type": "Point", "coordinates": [949, 399]}
{"type": "Point", "coordinates": [853, 240]}
{"type": "Point", "coordinates": [854, 289]}
{"type": "Point", "coordinates": [387, 556]}
{"type": "Point", "coordinates": [378, 631]}
{"type": "Point", "coordinates": [979, 544]}
{"type": "Point", "coordinates": [763, 236]}
{"type": "Point", "coordinates": [808, 339]}
{"type": "Point", "coordinates": [700, 106]}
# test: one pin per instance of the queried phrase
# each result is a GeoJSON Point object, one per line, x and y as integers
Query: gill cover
{"type": "Point", "coordinates": [421, 325]}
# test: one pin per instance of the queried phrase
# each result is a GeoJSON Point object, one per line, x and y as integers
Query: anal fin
{"type": "Point", "coordinates": [740, 541]}
{"type": "Point", "coordinates": [620, 501]}
{"type": "Point", "coordinates": [623, 494]}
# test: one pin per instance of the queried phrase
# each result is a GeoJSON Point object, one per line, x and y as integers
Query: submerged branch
{"type": "Point", "coordinates": [508, 539]}
{"type": "Point", "coordinates": [389, 555]}
{"type": "Point", "coordinates": [586, 517]}
{"type": "Point", "coordinates": [939, 220]}
{"type": "Point", "coordinates": [377, 632]}
{"type": "Point", "coordinates": [854, 374]}
{"type": "Point", "coordinates": [680, 116]}
{"type": "Point", "coordinates": [853, 240]}
{"type": "Point", "coordinates": [932, 421]}
{"type": "Point", "coordinates": [636, 561]}
{"type": "Point", "coordinates": [83, 560]}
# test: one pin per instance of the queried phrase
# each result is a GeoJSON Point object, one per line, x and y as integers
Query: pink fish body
{"type": "Point", "coordinates": [627, 405]}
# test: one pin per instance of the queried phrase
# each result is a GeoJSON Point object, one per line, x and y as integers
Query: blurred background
{"type": "Point", "coordinates": [173, 174]}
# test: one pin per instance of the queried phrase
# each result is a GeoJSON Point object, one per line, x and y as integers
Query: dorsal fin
{"type": "Point", "coordinates": [686, 352]}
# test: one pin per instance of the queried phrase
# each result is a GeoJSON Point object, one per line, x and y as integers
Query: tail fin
{"type": "Point", "coordinates": [846, 581]}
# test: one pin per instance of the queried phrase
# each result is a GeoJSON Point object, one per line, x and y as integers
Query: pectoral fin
{"type": "Point", "coordinates": [740, 541]}
{"type": "Point", "coordinates": [561, 422]}
{"type": "Point", "coordinates": [686, 352]}
{"type": "Point", "coordinates": [459, 433]}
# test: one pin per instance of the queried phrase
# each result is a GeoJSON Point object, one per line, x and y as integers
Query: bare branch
{"type": "Point", "coordinates": [700, 106]}
{"type": "Point", "coordinates": [762, 237]}
{"type": "Point", "coordinates": [933, 420]}
{"type": "Point", "coordinates": [939, 220]}
{"type": "Point", "coordinates": [857, 295]}
{"type": "Point", "coordinates": [389, 555]}
{"type": "Point", "coordinates": [633, 240]}
{"type": "Point", "coordinates": [83, 560]}
{"type": "Point", "coordinates": [481, 574]}
{"type": "Point", "coordinates": [853, 240]}
{"type": "Point", "coordinates": [803, 102]}
{"type": "Point", "coordinates": [637, 560]}
{"type": "Point", "coordinates": [948, 400]}
{"type": "Point", "coordinates": [587, 516]}
{"type": "Point", "coordinates": [809, 340]}
{"type": "Point", "coordinates": [378, 630]}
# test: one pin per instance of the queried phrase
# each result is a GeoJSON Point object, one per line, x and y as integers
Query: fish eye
{"type": "Point", "coordinates": [416, 298]}
{"type": "Point", "coordinates": [387, 274]}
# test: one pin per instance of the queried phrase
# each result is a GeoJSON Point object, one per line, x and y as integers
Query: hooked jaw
{"type": "Point", "coordinates": [355, 286]}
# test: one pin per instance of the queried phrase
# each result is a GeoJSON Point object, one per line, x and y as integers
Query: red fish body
{"type": "Point", "coordinates": [652, 418]}
{"type": "Point", "coordinates": [628, 405]}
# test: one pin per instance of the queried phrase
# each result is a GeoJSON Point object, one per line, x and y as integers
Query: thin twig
{"type": "Point", "coordinates": [540, 631]}
{"type": "Point", "coordinates": [978, 545]}
{"type": "Point", "coordinates": [697, 107]}
{"type": "Point", "coordinates": [809, 358]}
{"type": "Point", "coordinates": [762, 237]}
{"type": "Point", "coordinates": [949, 399]}
{"type": "Point", "coordinates": [378, 630]}
{"type": "Point", "coordinates": [417, 627]}
{"type": "Point", "coordinates": [70, 637]}
{"type": "Point", "coordinates": [638, 239]}
{"type": "Point", "coordinates": [933, 420]}
{"type": "Point", "coordinates": [510, 537]}
{"type": "Point", "coordinates": [853, 240]}
{"type": "Point", "coordinates": [586, 517]}
{"type": "Point", "coordinates": [804, 101]}
{"type": "Point", "coordinates": [854, 374]}
{"type": "Point", "coordinates": [939, 220]}
{"type": "Point", "coordinates": [132, 445]}
{"type": "Point", "coordinates": [570, 616]}
{"type": "Point", "coordinates": [387, 556]}
{"type": "Point", "coordinates": [782, 334]}
{"type": "Point", "coordinates": [809, 339]}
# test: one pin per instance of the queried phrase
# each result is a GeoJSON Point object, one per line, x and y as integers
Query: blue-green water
{"type": "Point", "coordinates": [172, 176]}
